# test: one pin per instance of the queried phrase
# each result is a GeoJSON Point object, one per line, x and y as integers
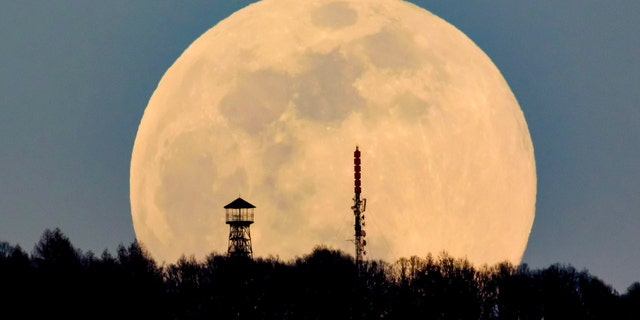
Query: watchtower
{"type": "Point", "coordinates": [239, 217]}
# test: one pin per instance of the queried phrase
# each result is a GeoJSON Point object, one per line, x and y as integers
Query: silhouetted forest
{"type": "Point", "coordinates": [57, 279]}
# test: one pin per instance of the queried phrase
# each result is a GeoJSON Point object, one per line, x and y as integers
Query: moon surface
{"type": "Point", "coordinates": [269, 105]}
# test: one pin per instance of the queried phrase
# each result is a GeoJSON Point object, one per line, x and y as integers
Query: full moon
{"type": "Point", "coordinates": [269, 105]}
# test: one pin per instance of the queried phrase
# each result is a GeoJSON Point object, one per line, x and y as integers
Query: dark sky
{"type": "Point", "coordinates": [75, 77]}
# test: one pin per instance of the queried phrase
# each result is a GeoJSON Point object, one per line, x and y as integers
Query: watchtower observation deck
{"type": "Point", "coordinates": [239, 212]}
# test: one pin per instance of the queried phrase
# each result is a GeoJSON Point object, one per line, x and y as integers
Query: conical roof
{"type": "Point", "coordinates": [239, 204]}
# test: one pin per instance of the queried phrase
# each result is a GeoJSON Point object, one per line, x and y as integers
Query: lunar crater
{"type": "Point", "coordinates": [334, 15]}
{"type": "Point", "coordinates": [392, 48]}
{"type": "Point", "coordinates": [328, 73]}
{"type": "Point", "coordinates": [257, 100]}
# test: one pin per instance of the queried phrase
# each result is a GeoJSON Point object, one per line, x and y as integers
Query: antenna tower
{"type": "Point", "coordinates": [359, 206]}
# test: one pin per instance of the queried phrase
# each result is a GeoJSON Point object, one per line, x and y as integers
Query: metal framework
{"type": "Point", "coordinates": [239, 216]}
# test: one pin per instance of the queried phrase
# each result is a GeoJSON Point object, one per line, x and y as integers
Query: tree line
{"type": "Point", "coordinates": [57, 279]}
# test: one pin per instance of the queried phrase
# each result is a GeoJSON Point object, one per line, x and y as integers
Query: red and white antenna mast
{"type": "Point", "coordinates": [359, 206]}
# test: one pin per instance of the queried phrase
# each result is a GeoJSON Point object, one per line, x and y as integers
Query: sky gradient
{"type": "Point", "coordinates": [75, 78]}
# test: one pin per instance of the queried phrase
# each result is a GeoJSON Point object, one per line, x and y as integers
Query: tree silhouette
{"type": "Point", "coordinates": [141, 280]}
{"type": "Point", "coordinates": [55, 251]}
{"type": "Point", "coordinates": [58, 280]}
{"type": "Point", "coordinates": [516, 292]}
{"type": "Point", "coordinates": [631, 302]}
{"type": "Point", "coordinates": [16, 277]}
{"type": "Point", "coordinates": [187, 285]}
{"type": "Point", "coordinates": [326, 285]}
{"type": "Point", "coordinates": [598, 299]}
{"type": "Point", "coordinates": [376, 290]}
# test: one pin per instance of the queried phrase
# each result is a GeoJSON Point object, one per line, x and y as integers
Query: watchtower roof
{"type": "Point", "coordinates": [239, 204]}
